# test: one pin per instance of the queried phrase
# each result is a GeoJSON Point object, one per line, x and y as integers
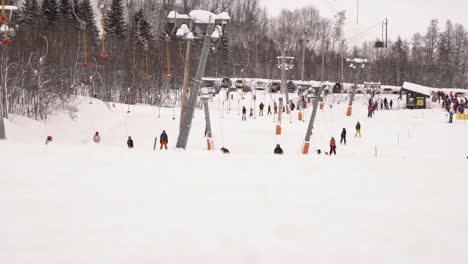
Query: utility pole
{"type": "Point", "coordinates": [283, 86]}
{"type": "Point", "coordinates": [303, 58]}
{"type": "Point", "coordinates": [342, 62]}
{"type": "Point", "coordinates": [3, 101]}
{"type": "Point", "coordinates": [192, 100]}
{"type": "Point", "coordinates": [357, 11]}
{"type": "Point", "coordinates": [185, 86]}
{"type": "Point", "coordinates": [318, 92]}
{"type": "Point", "coordinates": [356, 65]}
{"type": "Point", "coordinates": [323, 61]}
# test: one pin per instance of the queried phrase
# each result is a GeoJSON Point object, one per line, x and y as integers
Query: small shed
{"type": "Point", "coordinates": [416, 95]}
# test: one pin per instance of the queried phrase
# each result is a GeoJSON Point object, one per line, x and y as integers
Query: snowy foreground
{"type": "Point", "coordinates": [396, 195]}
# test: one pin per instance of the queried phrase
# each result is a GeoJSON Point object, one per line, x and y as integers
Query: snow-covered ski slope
{"type": "Point", "coordinates": [396, 195]}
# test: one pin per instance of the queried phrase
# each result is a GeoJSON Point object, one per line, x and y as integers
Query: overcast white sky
{"type": "Point", "coordinates": [405, 16]}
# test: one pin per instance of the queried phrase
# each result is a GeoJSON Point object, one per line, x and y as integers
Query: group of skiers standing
{"type": "Point", "coordinates": [452, 104]}
{"type": "Point", "coordinates": [163, 141]}
{"type": "Point", "coordinates": [279, 151]}
{"type": "Point", "coordinates": [343, 138]}
{"type": "Point", "coordinates": [261, 109]}
{"type": "Point", "coordinates": [374, 105]}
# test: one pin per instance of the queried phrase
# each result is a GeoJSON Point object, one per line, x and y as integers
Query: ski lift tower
{"type": "Point", "coordinates": [315, 93]}
{"type": "Point", "coordinates": [213, 26]}
{"type": "Point", "coordinates": [356, 66]}
{"type": "Point", "coordinates": [284, 64]}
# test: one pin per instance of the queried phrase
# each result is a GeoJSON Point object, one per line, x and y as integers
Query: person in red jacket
{"type": "Point", "coordinates": [332, 146]}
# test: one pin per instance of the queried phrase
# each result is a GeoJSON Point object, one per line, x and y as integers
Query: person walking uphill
{"type": "Point", "coordinates": [163, 139]}
{"type": "Point", "coordinates": [332, 146]}
{"type": "Point", "coordinates": [358, 129]}
{"type": "Point", "coordinates": [343, 136]}
{"type": "Point", "coordinates": [97, 138]}
{"type": "Point", "coordinates": [130, 142]}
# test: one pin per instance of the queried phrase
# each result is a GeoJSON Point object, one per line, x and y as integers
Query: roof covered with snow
{"type": "Point", "coordinates": [418, 88]}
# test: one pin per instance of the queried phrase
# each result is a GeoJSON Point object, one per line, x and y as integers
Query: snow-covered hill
{"type": "Point", "coordinates": [396, 195]}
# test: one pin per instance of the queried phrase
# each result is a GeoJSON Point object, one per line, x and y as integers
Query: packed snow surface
{"type": "Point", "coordinates": [395, 195]}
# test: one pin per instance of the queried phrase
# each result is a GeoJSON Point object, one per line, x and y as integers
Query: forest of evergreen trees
{"type": "Point", "coordinates": [136, 29]}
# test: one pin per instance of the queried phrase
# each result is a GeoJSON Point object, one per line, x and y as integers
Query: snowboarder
{"type": "Point", "coordinates": [48, 140]}
{"type": "Point", "coordinates": [163, 139]}
{"type": "Point", "coordinates": [261, 106]}
{"type": "Point", "coordinates": [332, 146]}
{"type": "Point", "coordinates": [278, 150]}
{"type": "Point", "coordinates": [244, 112]}
{"type": "Point", "coordinates": [358, 129]}
{"type": "Point", "coordinates": [96, 138]}
{"type": "Point", "coordinates": [269, 110]}
{"type": "Point", "coordinates": [370, 109]}
{"type": "Point", "coordinates": [130, 142]}
{"type": "Point", "coordinates": [343, 136]}
{"type": "Point", "coordinates": [451, 117]}
{"type": "Point", "coordinates": [225, 150]}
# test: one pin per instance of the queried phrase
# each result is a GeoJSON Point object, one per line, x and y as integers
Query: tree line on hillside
{"type": "Point", "coordinates": [141, 47]}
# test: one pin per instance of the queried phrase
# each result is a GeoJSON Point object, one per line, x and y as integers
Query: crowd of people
{"type": "Point", "coordinates": [374, 105]}
{"type": "Point", "coordinates": [451, 103]}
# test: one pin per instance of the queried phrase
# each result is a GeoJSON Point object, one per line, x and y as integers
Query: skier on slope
{"type": "Point", "coordinates": [343, 136]}
{"type": "Point", "coordinates": [251, 112]}
{"type": "Point", "coordinates": [48, 140]}
{"type": "Point", "coordinates": [97, 138]}
{"type": "Point", "coordinates": [275, 107]}
{"type": "Point", "coordinates": [130, 142]}
{"type": "Point", "coordinates": [261, 106]}
{"type": "Point", "coordinates": [332, 146]}
{"type": "Point", "coordinates": [278, 150]}
{"type": "Point", "coordinates": [225, 150]}
{"type": "Point", "coordinates": [451, 117]}
{"type": "Point", "coordinates": [358, 129]}
{"type": "Point", "coordinates": [244, 112]}
{"type": "Point", "coordinates": [269, 110]}
{"type": "Point", "coordinates": [163, 139]}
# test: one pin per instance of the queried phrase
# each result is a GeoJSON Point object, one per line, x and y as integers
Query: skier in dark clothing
{"type": "Point", "coordinates": [278, 150]}
{"type": "Point", "coordinates": [343, 136]}
{"type": "Point", "coordinates": [269, 110]}
{"type": "Point", "coordinates": [261, 106]}
{"type": "Point", "coordinates": [225, 150]}
{"type": "Point", "coordinates": [391, 104]}
{"type": "Point", "coordinates": [244, 112]}
{"type": "Point", "coordinates": [130, 142]}
{"type": "Point", "coordinates": [163, 139]}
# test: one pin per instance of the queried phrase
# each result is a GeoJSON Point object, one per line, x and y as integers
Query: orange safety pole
{"type": "Point", "coordinates": [103, 37]}
{"type": "Point", "coordinates": [168, 57]}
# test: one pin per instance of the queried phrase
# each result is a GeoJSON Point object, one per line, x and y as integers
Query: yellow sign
{"type": "Point", "coordinates": [462, 116]}
{"type": "Point", "coordinates": [420, 102]}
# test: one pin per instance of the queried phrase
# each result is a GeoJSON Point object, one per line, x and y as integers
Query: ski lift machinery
{"type": "Point", "coordinates": [8, 26]}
